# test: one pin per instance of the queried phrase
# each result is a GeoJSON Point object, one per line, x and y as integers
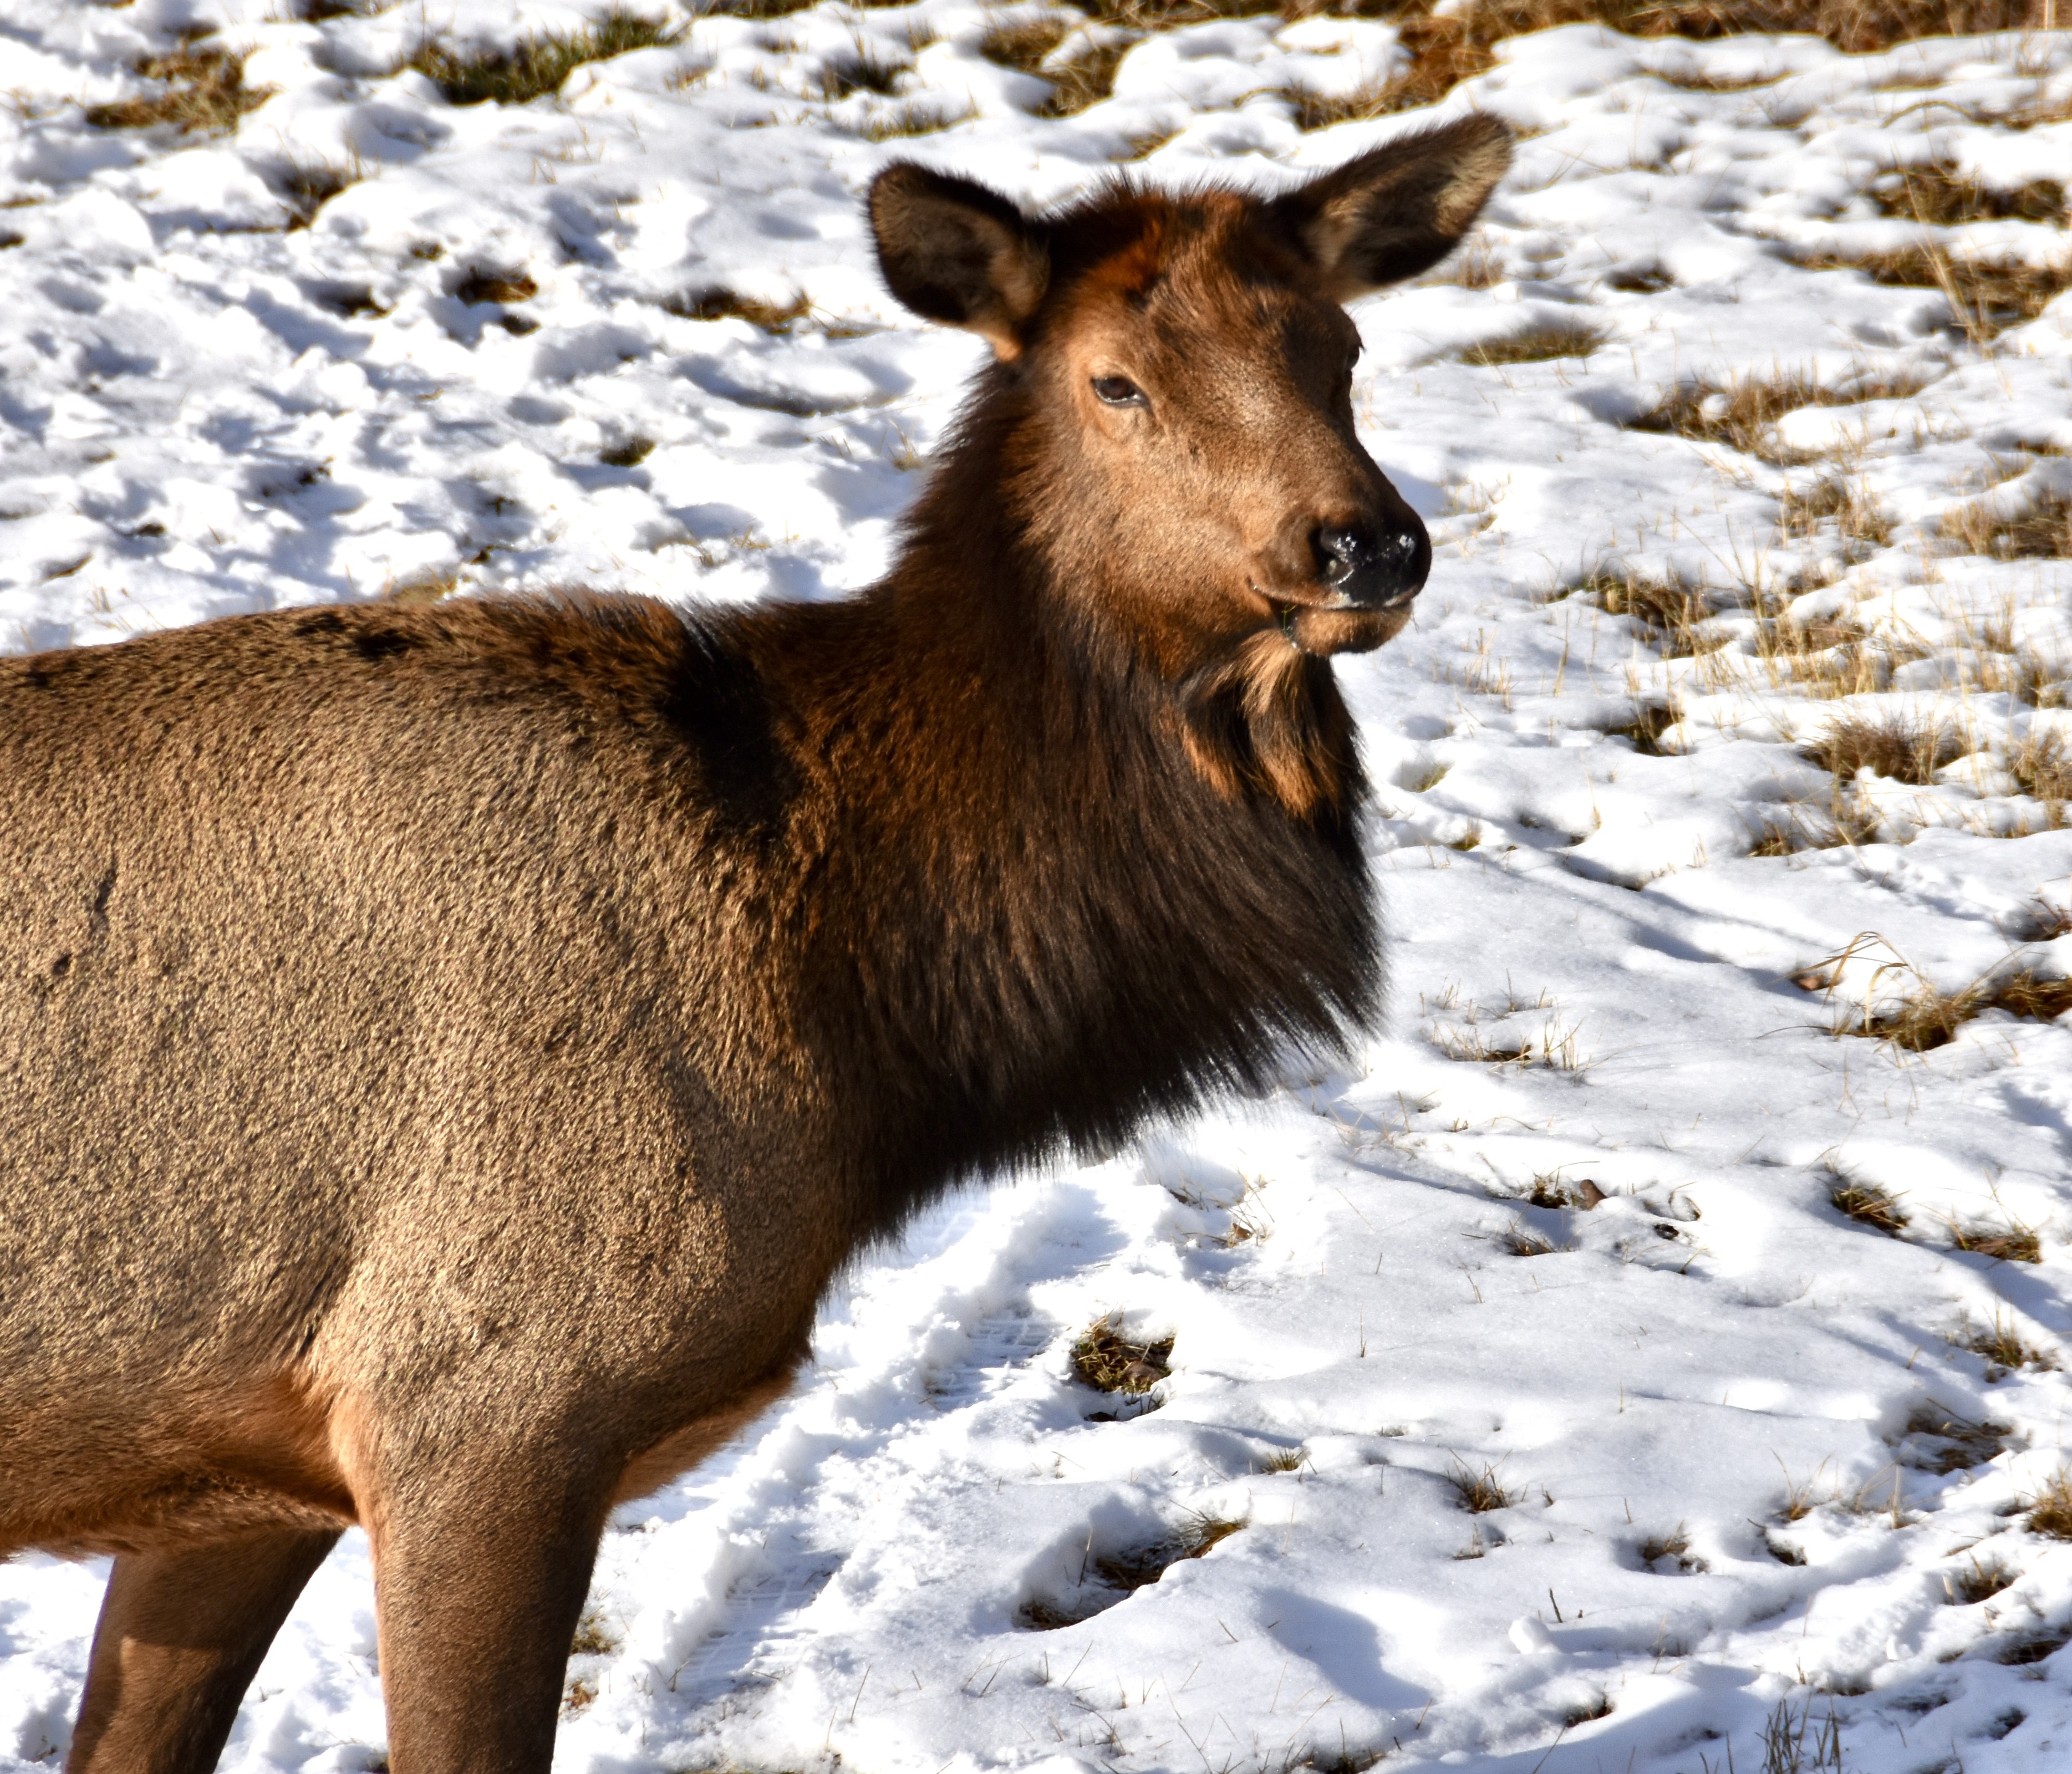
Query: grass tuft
{"type": "Point", "coordinates": [2041, 532]}
{"type": "Point", "coordinates": [628, 453]}
{"type": "Point", "coordinates": [1668, 616]}
{"type": "Point", "coordinates": [718, 303]}
{"type": "Point", "coordinates": [1538, 345]}
{"type": "Point", "coordinates": [203, 89]}
{"type": "Point", "coordinates": [859, 74]}
{"type": "Point", "coordinates": [1893, 743]}
{"type": "Point", "coordinates": [1938, 195]}
{"type": "Point", "coordinates": [480, 286]}
{"type": "Point", "coordinates": [1949, 1443]}
{"type": "Point", "coordinates": [594, 1636]}
{"type": "Point", "coordinates": [1105, 1581]}
{"type": "Point", "coordinates": [1836, 499]}
{"type": "Point", "coordinates": [2050, 1510]}
{"type": "Point", "coordinates": [1976, 1580]}
{"type": "Point", "coordinates": [424, 588]}
{"type": "Point", "coordinates": [310, 185]}
{"type": "Point", "coordinates": [1743, 414]}
{"type": "Point", "coordinates": [2013, 1242]}
{"type": "Point", "coordinates": [1869, 1205]}
{"type": "Point", "coordinates": [1675, 1544]}
{"type": "Point", "coordinates": [1479, 1492]}
{"type": "Point", "coordinates": [2001, 1345]}
{"type": "Point", "coordinates": [1108, 1362]}
{"type": "Point", "coordinates": [538, 65]}
{"type": "Point", "coordinates": [1521, 1240]}
{"type": "Point", "coordinates": [1985, 298]}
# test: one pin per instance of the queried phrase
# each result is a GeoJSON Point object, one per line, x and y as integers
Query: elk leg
{"type": "Point", "coordinates": [180, 1635]}
{"type": "Point", "coordinates": [479, 1579]}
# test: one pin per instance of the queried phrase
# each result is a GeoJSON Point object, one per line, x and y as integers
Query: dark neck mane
{"type": "Point", "coordinates": [1027, 921]}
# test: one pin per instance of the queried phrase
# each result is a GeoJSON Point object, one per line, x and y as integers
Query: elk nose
{"type": "Point", "coordinates": [1369, 568]}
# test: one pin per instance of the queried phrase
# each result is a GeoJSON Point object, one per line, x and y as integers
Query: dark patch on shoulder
{"type": "Point", "coordinates": [37, 678]}
{"type": "Point", "coordinates": [324, 621]}
{"type": "Point", "coordinates": [717, 703]}
{"type": "Point", "coordinates": [381, 643]}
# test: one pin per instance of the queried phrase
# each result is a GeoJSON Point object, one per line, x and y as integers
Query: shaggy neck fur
{"type": "Point", "coordinates": [1028, 915]}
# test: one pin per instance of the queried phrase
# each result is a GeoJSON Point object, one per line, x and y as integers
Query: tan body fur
{"type": "Point", "coordinates": [444, 1053]}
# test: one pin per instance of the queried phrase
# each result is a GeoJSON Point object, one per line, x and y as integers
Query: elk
{"type": "Point", "coordinates": [445, 1052]}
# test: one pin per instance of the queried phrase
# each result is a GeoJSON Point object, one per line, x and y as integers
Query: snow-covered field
{"type": "Point", "coordinates": [1563, 1241]}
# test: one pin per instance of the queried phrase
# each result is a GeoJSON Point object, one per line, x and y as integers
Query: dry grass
{"type": "Point", "coordinates": [1668, 616]}
{"type": "Point", "coordinates": [2041, 532]}
{"type": "Point", "coordinates": [1675, 1544]}
{"type": "Point", "coordinates": [720, 304]}
{"type": "Point", "coordinates": [1105, 1581]}
{"type": "Point", "coordinates": [1952, 1444]}
{"type": "Point", "coordinates": [202, 89]}
{"type": "Point", "coordinates": [2042, 764]}
{"type": "Point", "coordinates": [1446, 49]}
{"type": "Point", "coordinates": [2012, 1242]}
{"type": "Point", "coordinates": [2050, 1510]}
{"type": "Point", "coordinates": [1518, 1239]}
{"type": "Point", "coordinates": [2001, 1345]}
{"type": "Point", "coordinates": [1893, 743]}
{"type": "Point", "coordinates": [1786, 1748]}
{"type": "Point", "coordinates": [1929, 1018]}
{"type": "Point", "coordinates": [1651, 720]}
{"type": "Point", "coordinates": [1548, 1191]}
{"type": "Point", "coordinates": [629, 453]}
{"type": "Point", "coordinates": [1082, 78]}
{"type": "Point", "coordinates": [1940, 196]}
{"type": "Point", "coordinates": [538, 66]}
{"type": "Point", "coordinates": [2025, 995]}
{"type": "Point", "coordinates": [310, 185]}
{"type": "Point", "coordinates": [1134, 1570]}
{"type": "Point", "coordinates": [1869, 1205]}
{"type": "Point", "coordinates": [594, 1636]}
{"type": "Point", "coordinates": [1537, 345]}
{"type": "Point", "coordinates": [480, 286]}
{"type": "Point", "coordinates": [1985, 299]}
{"type": "Point", "coordinates": [424, 588]}
{"type": "Point", "coordinates": [1743, 415]}
{"type": "Point", "coordinates": [1833, 499]}
{"type": "Point", "coordinates": [1108, 1362]}
{"type": "Point", "coordinates": [1479, 1492]}
{"type": "Point", "coordinates": [1976, 1580]}
{"type": "Point", "coordinates": [859, 74]}
{"type": "Point", "coordinates": [898, 122]}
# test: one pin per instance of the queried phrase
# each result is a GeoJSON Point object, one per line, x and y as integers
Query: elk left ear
{"type": "Point", "coordinates": [1399, 210]}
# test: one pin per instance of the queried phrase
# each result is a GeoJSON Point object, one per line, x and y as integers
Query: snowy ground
{"type": "Point", "coordinates": [1744, 1454]}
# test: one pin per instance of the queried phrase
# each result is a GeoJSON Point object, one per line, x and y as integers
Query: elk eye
{"type": "Point", "coordinates": [1118, 391]}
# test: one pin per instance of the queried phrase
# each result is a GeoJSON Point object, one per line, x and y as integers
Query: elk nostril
{"type": "Point", "coordinates": [1344, 552]}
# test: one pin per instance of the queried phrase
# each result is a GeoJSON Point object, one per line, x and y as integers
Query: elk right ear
{"type": "Point", "coordinates": [956, 252]}
{"type": "Point", "coordinates": [1400, 209]}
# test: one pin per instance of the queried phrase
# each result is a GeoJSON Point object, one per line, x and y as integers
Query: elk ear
{"type": "Point", "coordinates": [1399, 210]}
{"type": "Point", "coordinates": [956, 252]}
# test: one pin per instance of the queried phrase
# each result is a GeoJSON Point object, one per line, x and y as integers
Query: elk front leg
{"type": "Point", "coordinates": [480, 1578]}
{"type": "Point", "coordinates": [180, 1635]}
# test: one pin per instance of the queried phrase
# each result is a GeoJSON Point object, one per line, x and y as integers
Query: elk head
{"type": "Point", "coordinates": [1174, 372]}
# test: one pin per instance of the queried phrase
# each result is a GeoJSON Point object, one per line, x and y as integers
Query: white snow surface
{"type": "Point", "coordinates": [1711, 1402]}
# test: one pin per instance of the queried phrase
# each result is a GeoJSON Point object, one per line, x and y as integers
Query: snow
{"type": "Point", "coordinates": [1712, 1399]}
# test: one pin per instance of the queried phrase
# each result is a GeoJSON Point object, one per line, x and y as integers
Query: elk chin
{"type": "Point", "coordinates": [1323, 632]}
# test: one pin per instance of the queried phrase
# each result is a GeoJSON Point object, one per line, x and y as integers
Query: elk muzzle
{"type": "Point", "coordinates": [1373, 566]}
